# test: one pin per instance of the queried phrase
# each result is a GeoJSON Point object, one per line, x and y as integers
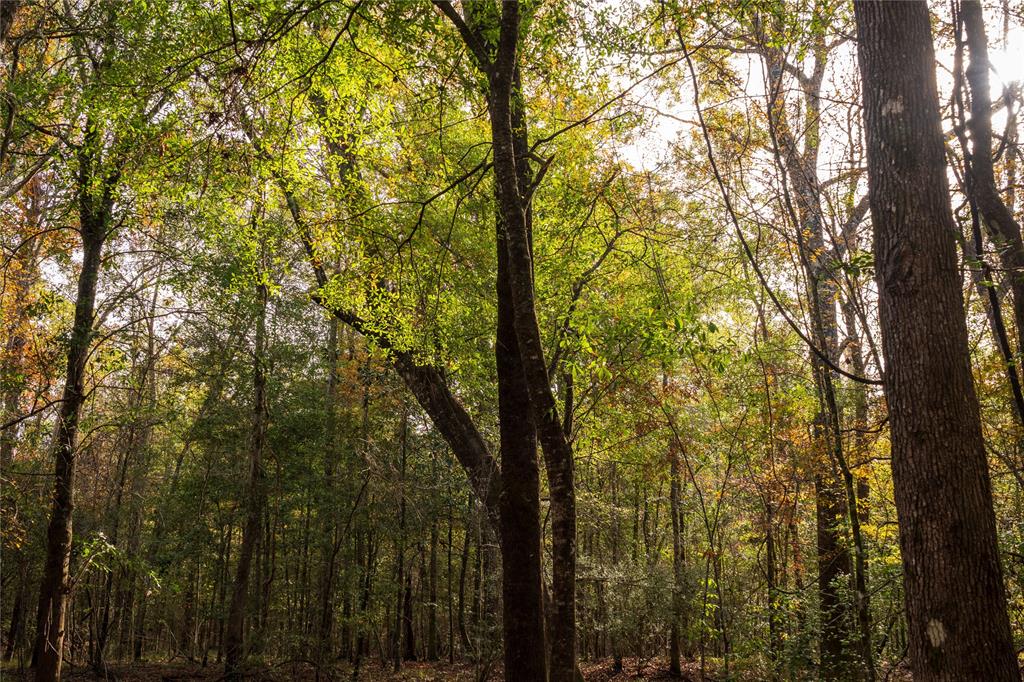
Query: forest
{"type": "Point", "coordinates": [524, 340]}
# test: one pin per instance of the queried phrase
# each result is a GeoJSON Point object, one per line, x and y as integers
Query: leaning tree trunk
{"type": "Point", "coordinates": [955, 598]}
{"type": "Point", "coordinates": [94, 211]}
{"type": "Point", "coordinates": [234, 636]}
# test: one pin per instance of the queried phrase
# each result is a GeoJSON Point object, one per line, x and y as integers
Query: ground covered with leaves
{"type": "Point", "coordinates": [593, 671]}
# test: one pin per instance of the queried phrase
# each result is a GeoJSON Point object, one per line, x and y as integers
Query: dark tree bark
{"type": "Point", "coordinates": [254, 503]}
{"type": "Point", "coordinates": [330, 542]}
{"type": "Point", "coordinates": [955, 598]}
{"type": "Point", "coordinates": [366, 593]}
{"type": "Point", "coordinates": [776, 622]}
{"type": "Point", "coordinates": [523, 614]}
{"type": "Point", "coordinates": [678, 562]}
{"type": "Point", "coordinates": [94, 211]}
{"type": "Point", "coordinates": [8, 11]}
{"type": "Point", "coordinates": [463, 572]}
{"type": "Point", "coordinates": [396, 644]}
{"type": "Point", "coordinates": [18, 609]}
{"type": "Point", "coordinates": [433, 638]}
{"type": "Point", "coordinates": [558, 455]}
{"type": "Point", "coordinates": [450, 594]}
{"type": "Point", "coordinates": [520, 528]}
{"type": "Point", "coordinates": [408, 633]}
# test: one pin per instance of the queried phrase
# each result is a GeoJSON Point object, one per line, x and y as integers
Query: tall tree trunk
{"type": "Point", "coordinates": [463, 571]}
{"type": "Point", "coordinates": [955, 598]}
{"type": "Point", "coordinates": [523, 614]}
{"type": "Point", "coordinates": [22, 272]}
{"type": "Point", "coordinates": [519, 528]}
{"type": "Point", "coordinates": [834, 485]}
{"type": "Point", "coordinates": [433, 639]}
{"type": "Point", "coordinates": [366, 593]}
{"type": "Point", "coordinates": [329, 541]}
{"type": "Point", "coordinates": [234, 636]}
{"type": "Point", "coordinates": [408, 632]}
{"type": "Point", "coordinates": [558, 456]}
{"type": "Point", "coordinates": [678, 561]}
{"type": "Point", "coordinates": [616, 532]}
{"type": "Point", "coordinates": [396, 644]}
{"type": "Point", "coordinates": [18, 608]}
{"type": "Point", "coordinates": [94, 210]}
{"type": "Point", "coordinates": [448, 579]}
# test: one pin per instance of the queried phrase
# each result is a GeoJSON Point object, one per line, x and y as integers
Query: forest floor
{"type": "Point", "coordinates": [593, 671]}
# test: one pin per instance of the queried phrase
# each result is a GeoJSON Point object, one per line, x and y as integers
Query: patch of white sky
{"type": "Point", "coordinates": [672, 114]}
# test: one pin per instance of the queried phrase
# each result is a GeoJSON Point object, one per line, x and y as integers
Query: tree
{"type": "Point", "coordinates": [97, 184]}
{"type": "Point", "coordinates": [255, 496]}
{"type": "Point", "coordinates": [514, 190]}
{"type": "Point", "coordinates": [955, 598]}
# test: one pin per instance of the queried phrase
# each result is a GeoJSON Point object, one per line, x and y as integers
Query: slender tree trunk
{"type": "Point", "coordinates": [678, 563]}
{"type": "Point", "coordinates": [955, 598]}
{"type": "Point", "coordinates": [833, 572]}
{"type": "Point", "coordinates": [997, 216]}
{"type": "Point", "coordinates": [463, 571]}
{"type": "Point", "coordinates": [222, 588]}
{"type": "Point", "coordinates": [835, 489]}
{"type": "Point", "coordinates": [139, 635]}
{"type": "Point", "coordinates": [21, 273]}
{"type": "Point", "coordinates": [95, 217]}
{"type": "Point", "coordinates": [396, 645]}
{"type": "Point", "coordinates": [18, 608]}
{"type": "Point", "coordinates": [234, 636]}
{"type": "Point", "coordinates": [433, 639]}
{"type": "Point", "coordinates": [448, 579]}
{"type": "Point", "coordinates": [616, 532]}
{"type": "Point", "coordinates": [408, 632]}
{"type": "Point", "coordinates": [775, 618]}
{"type": "Point", "coordinates": [364, 604]}
{"type": "Point", "coordinates": [329, 541]}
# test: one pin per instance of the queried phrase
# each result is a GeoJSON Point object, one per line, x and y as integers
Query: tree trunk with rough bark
{"type": "Point", "coordinates": [433, 637]}
{"type": "Point", "coordinates": [678, 563]}
{"type": "Point", "coordinates": [523, 614]}
{"type": "Point", "coordinates": [954, 593]}
{"type": "Point", "coordinates": [329, 541]}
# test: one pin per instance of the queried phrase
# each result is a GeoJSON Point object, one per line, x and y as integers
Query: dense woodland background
{"type": "Point", "coordinates": [345, 338]}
